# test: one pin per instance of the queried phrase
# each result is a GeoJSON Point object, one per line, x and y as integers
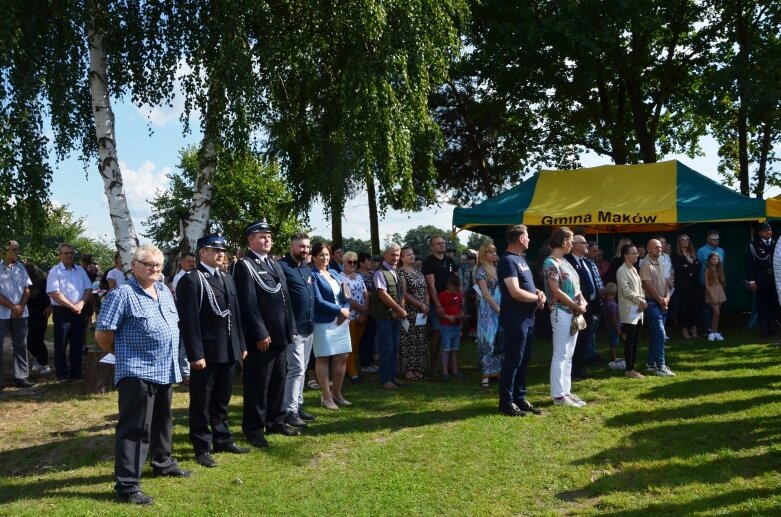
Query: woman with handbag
{"type": "Point", "coordinates": [567, 306]}
{"type": "Point", "coordinates": [631, 304]}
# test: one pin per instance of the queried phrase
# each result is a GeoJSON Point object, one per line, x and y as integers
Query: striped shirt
{"type": "Point", "coordinates": [146, 332]}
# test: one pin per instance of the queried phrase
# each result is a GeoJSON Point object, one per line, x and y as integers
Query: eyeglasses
{"type": "Point", "coordinates": [151, 265]}
{"type": "Point", "coordinates": [351, 262]}
{"type": "Point", "coordinates": [579, 242]}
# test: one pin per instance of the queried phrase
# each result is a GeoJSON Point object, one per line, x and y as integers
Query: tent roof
{"type": "Point", "coordinates": [620, 198]}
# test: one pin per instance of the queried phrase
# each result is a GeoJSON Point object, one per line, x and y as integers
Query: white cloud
{"type": "Point", "coordinates": [140, 185]}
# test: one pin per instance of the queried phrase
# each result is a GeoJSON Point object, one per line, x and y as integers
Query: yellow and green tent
{"type": "Point", "coordinates": [613, 199]}
{"type": "Point", "coordinates": [773, 207]}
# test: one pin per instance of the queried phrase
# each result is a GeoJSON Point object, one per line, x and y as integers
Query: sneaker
{"type": "Point", "coordinates": [45, 370]}
{"type": "Point", "coordinates": [650, 367]}
{"type": "Point", "coordinates": [711, 337]}
{"type": "Point", "coordinates": [719, 337]}
{"type": "Point", "coordinates": [565, 401]}
{"type": "Point", "coordinates": [664, 371]}
{"type": "Point", "coordinates": [35, 368]}
{"type": "Point", "coordinates": [616, 365]}
{"type": "Point", "coordinates": [511, 410]}
{"type": "Point", "coordinates": [370, 369]}
{"type": "Point", "coordinates": [577, 400]}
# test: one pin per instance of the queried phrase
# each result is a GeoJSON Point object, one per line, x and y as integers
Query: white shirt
{"type": "Point", "coordinates": [13, 281]}
{"type": "Point", "coordinates": [70, 282]}
{"type": "Point", "coordinates": [178, 276]}
{"type": "Point", "coordinates": [117, 276]}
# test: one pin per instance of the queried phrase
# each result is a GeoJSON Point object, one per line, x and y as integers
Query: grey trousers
{"type": "Point", "coordinates": [18, 329]}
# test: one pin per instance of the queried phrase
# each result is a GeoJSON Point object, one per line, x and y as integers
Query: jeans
{"type": "Point", "coordinates": [18, 328]}
{"type": "Point", "coordinates": [184, 364]}
{"type": "Point", "coordinates": [298, 353]}
{"type": "Point", "coordinates": [518, 339]}
{"type": "Point", "coordinates": [654, 317]}
{"type": "Point", "coordinates": [388, 335]}
{"type": "Point", "coordinates": [451, 338]}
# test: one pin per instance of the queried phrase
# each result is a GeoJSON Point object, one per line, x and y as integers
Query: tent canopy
{"type": "Point", "coordinates": [613, 198]}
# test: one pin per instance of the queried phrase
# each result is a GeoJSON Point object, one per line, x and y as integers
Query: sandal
{"type": "Point", "coordinates": [312, 384]}
{"type": "Point", "coordinates": [410, 376]}
{"type": "Point", "coordinates": [485, 383]}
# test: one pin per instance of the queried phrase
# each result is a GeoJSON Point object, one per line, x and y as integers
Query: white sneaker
{"type": "Point", "coordinates": [565, 401]}
{"type": "Point", "coordinates": [45, 370]}
{"type": "Point", "coordinates": [664, 371]}
{"type": "Point", "coordinates": [719, 337]}
{"type": "Point", "coordinates": [35, 367]}
{"type": "Point", "coordinates": [616, 365]}
{"type": "Point", "coordinates": [370, 369]}
{"type": "Point", "coordinates": [711, 337]}
{"type": "Point", "coordinates": [577, 400]}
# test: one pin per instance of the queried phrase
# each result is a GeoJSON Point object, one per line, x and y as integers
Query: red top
{"type": "Point", "coordinates": [451, 303]}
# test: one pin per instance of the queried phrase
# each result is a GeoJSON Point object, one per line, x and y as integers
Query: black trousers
{"type": "Point", "coordinates": [36, 330]}
{"type": "Point", "coordinates": [210, 394]}
{"type": "Point", "coordinates": [68, 329]}
{"type": "Point", "coordinates": [144, 424]}
{"type": "Point", "coordinates": [632, 333]}
{"type": "Point", "coordinates": [264, 389]}
{"type": "Point", "coordinates": [582, 343]}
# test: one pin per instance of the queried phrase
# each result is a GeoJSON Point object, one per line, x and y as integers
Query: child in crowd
{"type": "Point", "coordinates": [610, 317]}
{"type": "Point", "coordinates": [452, 302]}
{"type": "Point", "coordinates": [714, 293]}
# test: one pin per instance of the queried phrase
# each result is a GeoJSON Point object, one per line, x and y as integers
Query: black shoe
{"type": "Point", "coordinates": [595, 359]}
{"type": "Point", "coordinates": [178, 473]}
{"type": "Point", "coordinates": [282, 428]}
{"type": "Point", "coordinates": [260, 442]}
{"type": "Point", "coordinates": [138, 498]}
{"type": "Point", "coordinates": [511, 410]}
{"type": "Point", "coordinates": [232, 448]}
{"type": "Point", "coordinates": [580, 375]}
{"type": "Point", "coordinates": [525, 405]}
{"type": "Point", "coordinates": [303, 415]}
{"type": "Point", "coordinates": [24, 383]}
{"type": "Point", "coordinates": [293, 420]}
{"type": "Point", "coordinates": [205, 459]}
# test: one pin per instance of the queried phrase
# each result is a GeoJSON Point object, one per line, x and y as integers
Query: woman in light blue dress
{"type": "Point", "coordinates": [488, 313]}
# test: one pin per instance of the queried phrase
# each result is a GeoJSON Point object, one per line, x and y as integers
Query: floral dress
{"type": "Point", "coordinates": [413, 346]}
{"type": "Point", "coordinates": [488, 326]}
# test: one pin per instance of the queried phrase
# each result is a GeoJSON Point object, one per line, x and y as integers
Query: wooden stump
{"type": "Point", "coordinates": [99, 376]}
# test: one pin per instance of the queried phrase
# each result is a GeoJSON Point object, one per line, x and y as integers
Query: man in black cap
{"type": "Point", "coordinates": [269, 329]}
{"type": "Point", "coordinates": [761, 278]}
{"type": "Point", "coordinates": [210, 322]}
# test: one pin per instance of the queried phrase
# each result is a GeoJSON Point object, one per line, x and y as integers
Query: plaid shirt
{"type": "Point", "coordinates": [146, 339]}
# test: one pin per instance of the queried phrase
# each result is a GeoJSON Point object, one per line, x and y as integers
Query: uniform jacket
{"type": "Point", "coordinates": [206, 335]}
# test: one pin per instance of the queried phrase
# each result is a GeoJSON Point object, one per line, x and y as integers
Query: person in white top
{"type": "Point", "coordinates": [69, 289]}
{"type": "Point", "coordinates": [116, 275]}
{"type": "Point", "coordinates": [14, 292]}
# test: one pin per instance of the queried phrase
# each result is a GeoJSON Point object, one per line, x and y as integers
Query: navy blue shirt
{"type": "Point", "coordinates": [513, 265]}
{"type": "Point", "coordinates": [302, 296]}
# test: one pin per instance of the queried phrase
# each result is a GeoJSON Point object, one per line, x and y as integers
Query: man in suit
{"type": "Point", "coordinates": [210, 323]}
{"type": "Point", "coordinates": [761, 279]}
{"type": "Point", "coordinates": [269, 329]}
{"type": "Point", "coordinates": [592, 288]}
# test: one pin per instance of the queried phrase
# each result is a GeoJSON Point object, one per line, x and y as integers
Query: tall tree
{"type": "Point", "coordinates": [350, 97]}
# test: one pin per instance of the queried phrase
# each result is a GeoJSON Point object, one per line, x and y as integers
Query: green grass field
{"type": "Point", "coordinates": [707, 442]}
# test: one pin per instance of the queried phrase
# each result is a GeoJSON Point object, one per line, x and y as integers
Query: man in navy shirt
{"type": "Point", "coordinates": [520, 300]}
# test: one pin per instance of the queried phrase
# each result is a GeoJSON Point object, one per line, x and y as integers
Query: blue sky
{"type": "Point", "coordinates": [146, 157]}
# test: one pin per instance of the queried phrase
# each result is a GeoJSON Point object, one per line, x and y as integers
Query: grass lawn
{"type": "Point", "coordinates": [706, 442]}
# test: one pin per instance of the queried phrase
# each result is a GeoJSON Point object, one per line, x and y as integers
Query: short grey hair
{"type": "Point", "coordinates": [65, 246]}
{"type": "Point", "coordinates": [392, 246]}
{"type": "Point", "coordinates": [146, 250]}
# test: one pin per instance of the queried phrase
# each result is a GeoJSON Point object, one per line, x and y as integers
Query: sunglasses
{"type": "Point", "coordinates": [351, 262]}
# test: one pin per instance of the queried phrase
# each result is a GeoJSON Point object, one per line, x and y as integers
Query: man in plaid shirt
{"type": "Point", "coordinates": [138, 322]}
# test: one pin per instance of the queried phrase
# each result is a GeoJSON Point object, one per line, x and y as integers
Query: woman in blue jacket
{"type": "Point", "coordinates": [332, 333]}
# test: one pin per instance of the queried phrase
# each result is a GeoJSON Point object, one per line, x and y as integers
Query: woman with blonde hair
{"type": "Point", "coordinates": [488, 313]}
{"type": "Point", "coordinates": [359, 309]}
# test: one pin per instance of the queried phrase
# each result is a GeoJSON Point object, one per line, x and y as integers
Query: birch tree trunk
{"type": "Point", "coordinates": [108, 165]}
{"type": "Point", "coordinates": [195, 225]}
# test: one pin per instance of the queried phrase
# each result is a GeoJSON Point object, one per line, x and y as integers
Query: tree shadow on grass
{"type": "Point", "coordinates": [59, 488]}
{"type": "Point", "coordinates": [68, 453]}
{"type": "Point", "coordinates": [694, 388]}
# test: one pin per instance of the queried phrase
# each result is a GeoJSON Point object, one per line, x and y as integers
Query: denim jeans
{"type": "Point", "coordinates": [654, 318]}
{"type": "Point", "coordinates": [451, 338]}
{"type": "Point", "coordinates": [388, 335]}
{"type": "Point", "coordinates": [518, 339]}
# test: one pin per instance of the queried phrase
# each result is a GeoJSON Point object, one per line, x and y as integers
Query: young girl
{"type": "Point", "coordinates": [714, 293]}
{"type": "Point", "coordinates": [610, 317]}
{"type": "Point", "coordinates": [452, 302]}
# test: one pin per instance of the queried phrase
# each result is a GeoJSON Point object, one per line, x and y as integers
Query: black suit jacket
{"type": "Point", "coordinates": [263, 314]}
{"type": "Point", "coordinates": [205, 334]}
{"type": "Point", "coordinates": [595, 305]}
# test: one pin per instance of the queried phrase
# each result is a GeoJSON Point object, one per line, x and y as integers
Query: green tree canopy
{"type": "Point", "coordinates": [418, 239]}
{"type": "Point", "coordinates": [246, 188]}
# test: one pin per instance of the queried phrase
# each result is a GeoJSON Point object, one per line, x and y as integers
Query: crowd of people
{"type": "Point", "coordinates": [333, 314]}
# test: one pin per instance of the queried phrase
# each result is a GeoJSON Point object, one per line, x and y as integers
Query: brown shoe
{"type": "Point", "coordinates": [633, 374]}
{"type": "Point", "coordinates": [389, 386]}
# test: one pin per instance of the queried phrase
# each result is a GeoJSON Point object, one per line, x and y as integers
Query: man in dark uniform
{"type": "Point", "coordinates": [269, 329]}
{"type": "Point", "coordinates": [520, 300]}
{"type": "Point", "coordinates": [761, 279]}
{"type": "Point", "coordinates": [210, 323]}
